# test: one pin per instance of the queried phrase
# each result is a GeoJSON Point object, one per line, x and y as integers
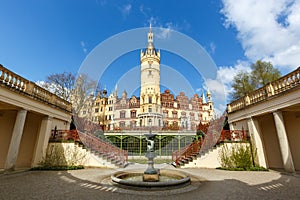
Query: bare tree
{"type": "Point", "coordinates": [60, 84]}
{"type": "Point", "coordinates": [83, 92]}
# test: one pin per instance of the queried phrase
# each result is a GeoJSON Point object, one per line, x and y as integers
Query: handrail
{"type": "Point", "coordinates": [64, 135]}
{"type": "Point", "coordinates": [92, 142]}
{"type": "Point", "coordinates": [20, 84]}
{"type": "Point", "coordinates": [187, 151]}
{"type": "Point", "coordinates": [273, 88]}
{"type": "Point", "coordinates": [204, 144]}
{"type": "Point", "coordinates": [104, 148]}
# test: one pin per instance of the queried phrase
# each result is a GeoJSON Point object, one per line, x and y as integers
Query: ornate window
{"type": "Point", "coordinates": [122, 114]}
{"type": "Point", "coordinates": [133, 114]}
{"type": "Point", "coordinates": [165, 114]}
{"type": "Point", "coordinates": [133, 124]}
{"type": "Point", "coordinates": [122, 124]}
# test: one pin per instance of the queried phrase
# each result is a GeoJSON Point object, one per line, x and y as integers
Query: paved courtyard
{"type": "Point", "coordinates": [96, 184]}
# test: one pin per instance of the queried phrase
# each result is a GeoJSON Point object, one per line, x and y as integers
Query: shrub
{"type": "Point", "coordinates": [59, 158]}
{"type": "Point", "coordinates": [241, 156]}
{"type": "Point", "coordinates": [238, 157]}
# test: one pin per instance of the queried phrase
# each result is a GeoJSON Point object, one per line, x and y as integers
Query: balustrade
{"type": "Point", "coordinates": [11, 79]}
{"type": "Point", "coordinates": [276, 87]}
{"type": "Point", "coordinates": [16, 82]}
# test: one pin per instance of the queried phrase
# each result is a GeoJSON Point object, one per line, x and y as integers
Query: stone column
{"type": "Point", "coordinates": [42, 141]}
{"type": "Point", "coordinates": [231, 127]}
{"type": "Point", "coordinates": [68, 124]}
{"type": "Point", "coordinates": [255, 132]}
{"type": "Point", "coordinates": [15, 141]}
{"type": "Point", "coordinates": [286, 154]}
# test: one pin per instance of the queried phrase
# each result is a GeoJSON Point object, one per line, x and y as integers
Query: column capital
{"type": "Point", "coordinates": [47, 117]}
{"type": "Point", "coordinates": [276, 111]}
{"type": "Point", "coordinates": [22, 110]}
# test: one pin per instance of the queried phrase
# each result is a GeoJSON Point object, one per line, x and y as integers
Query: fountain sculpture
{"type": "Point", "coordinates": [151, 177]}
{"type": "Point", "coordinates": [151, 174]}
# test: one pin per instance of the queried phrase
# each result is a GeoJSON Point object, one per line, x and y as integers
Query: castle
{"type": "Point", "coordinates": [152, 108]}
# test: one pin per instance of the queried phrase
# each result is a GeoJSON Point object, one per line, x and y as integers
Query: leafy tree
{"type": "Point", "coordinates": [261, 74]}
{"type": "Point", "coordinates": [242, 84]}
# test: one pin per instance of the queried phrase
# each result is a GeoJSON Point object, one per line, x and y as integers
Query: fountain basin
{"type": "Point", "coordinates": [167, 178]}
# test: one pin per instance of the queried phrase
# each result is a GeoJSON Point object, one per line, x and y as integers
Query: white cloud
{"type": "Point", "coordinates": [82, 44]}
{"type": "Point", "coordinates": [125, 10]}
{"type": "Point", "coordinates": [226, 74]}
{"type": "Point", "coordinates": [268, 30]}
{"type": "Point", "coordinates": [220, 87]}
{"type": "Point", "coordinates": [146, 11]}
{"type": "Point", "coordinates": [165, 31]}
{"type": "Point", "coordinates": [212, 47]}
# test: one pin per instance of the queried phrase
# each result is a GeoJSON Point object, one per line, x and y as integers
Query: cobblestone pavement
{"type": "Point", "coordinates": [96, 184]}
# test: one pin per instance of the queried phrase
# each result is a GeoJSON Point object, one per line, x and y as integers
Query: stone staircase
{"type": "Point", "coordinates": [102, 151]}
{"type": "Point", "coordinates": [186, 154]}
{"type": "Point", "coordinates": [203, 147]}
{"type": "Point", "coordinates": [206, 158]}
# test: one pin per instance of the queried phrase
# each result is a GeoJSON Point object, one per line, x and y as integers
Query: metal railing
{"type": "Point", "coordinates": [64, 135]}
{"type": "Point", "coordinates": [104, 148]}
{"type": "Point", "coordinates": [96, 144]}
{"type": "Point", "coordinates": [198, 146]}
{"type": "Point", "coordinates": [187, 152]}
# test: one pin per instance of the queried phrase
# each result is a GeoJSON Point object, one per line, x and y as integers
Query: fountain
{"type": "Point", "coordinates": [151, 174]}
{"type": "Point", "coordinates": [151, 177]}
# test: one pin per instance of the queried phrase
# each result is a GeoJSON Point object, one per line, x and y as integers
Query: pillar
{"type": "Point", "coordinates": [140, 145]}
{"type": "Point", "coordinates": [231, 127]}
{"type": "Point", "coordinates": [15, 141]}
{"type": "Point", "coordinates": [42, 140]}
{"type": "Point", "coordinates": [286, 154]}
{"type": "Point", "coordinates": [160, 145]}
{"type": "Point", "coordinates": [121, 145]}
{"type": "Point", "coordinates": [179, 142]}
{"type": "Point", "coordinates": [255, 132]}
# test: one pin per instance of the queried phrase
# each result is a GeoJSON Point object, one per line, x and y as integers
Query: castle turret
{"type": "Point", "coordinates": [150, 106]}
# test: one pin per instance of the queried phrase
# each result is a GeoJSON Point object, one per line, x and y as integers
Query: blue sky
{"type": "Point", "coordinates": [39, 38]}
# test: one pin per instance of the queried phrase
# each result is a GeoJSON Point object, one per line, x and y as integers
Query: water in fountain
{"type": "Point", "coordinates": [151, 177]}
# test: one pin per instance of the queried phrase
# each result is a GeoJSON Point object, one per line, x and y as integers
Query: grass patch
{"type": "Point", "coordinates": [56, 168]}
{"type": "Point", "coordinates": [145, 161]}
{"type": "Point", "coordinates": [243, 169]}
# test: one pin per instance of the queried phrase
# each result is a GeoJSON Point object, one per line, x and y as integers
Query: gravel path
{"type": "Point", "coordinates": [95, 184]}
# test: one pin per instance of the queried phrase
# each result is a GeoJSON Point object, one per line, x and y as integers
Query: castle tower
{"type": "Point", "coordinates": [210, 104]}
{"type": "Point", "coordinates": [150, 106]}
